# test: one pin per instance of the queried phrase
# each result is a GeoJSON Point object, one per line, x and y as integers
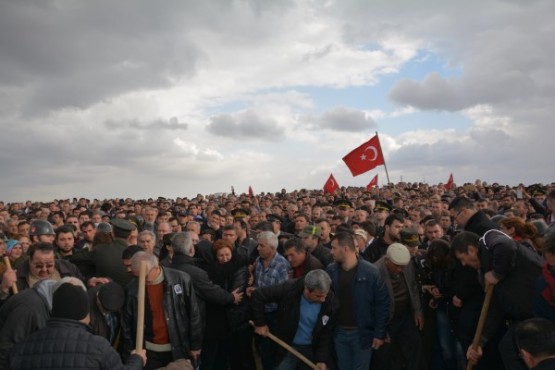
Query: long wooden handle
{"type": "Point", "coordinates": [299, 355]}
{"type": "Point", "coordinates": [141, 308]}
{"type": "Point", "coordinates": [481, 321]}
{"type": "Point", "coordinates": [9, 267]}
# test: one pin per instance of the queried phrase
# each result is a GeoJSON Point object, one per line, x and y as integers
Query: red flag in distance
{"type": "Point", "coordinates": [331, 185]}
{"type": "Point", "coordinates": [372, 183]}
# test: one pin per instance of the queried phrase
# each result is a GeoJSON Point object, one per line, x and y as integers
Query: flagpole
{"type": "Point", "coordinates": [384, 165]}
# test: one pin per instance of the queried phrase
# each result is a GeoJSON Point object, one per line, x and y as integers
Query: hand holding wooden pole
{"type": "Point", "coordinates": [481, 321]}
{"type": "Point", "coordinates": [299, 355]}
{"type": "Point", "coordinates": [141, 308]}
{"type": "Point", "coordinates": [9, 267]}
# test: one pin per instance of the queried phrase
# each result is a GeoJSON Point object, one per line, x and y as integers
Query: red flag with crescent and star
{"type": "Point", "coordinates": [365, 157]}
{"type": "Point", "coordinates": [331, 185]}
{"type": "Point", "coordinates": [449, 182]}
{"type": "Point", "coordinates": [372, 183]}
{"type": "Point", "coordinates": [251, 193]}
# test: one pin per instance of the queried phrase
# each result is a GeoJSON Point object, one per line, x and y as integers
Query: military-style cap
{"type": "Point", "coordinates": [240, 213]}
{"type": "Point", "coordinates": [400, 211]}
{"type": "Point", "coordinates": [382, 206]}
{"type": "Point", "coordinates": [273, 218]}
{"type": "Point", "coordinates": [121, 224]}
{"type": "Point", "coordinates": [311, 230]}
{"type": "Point", "coordinates": [343, 203]}
{"type": "Point", "coordinates": [409, 237]}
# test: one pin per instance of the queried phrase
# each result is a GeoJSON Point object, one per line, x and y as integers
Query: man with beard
{"type": "Point", "coordinates": [391, 234]}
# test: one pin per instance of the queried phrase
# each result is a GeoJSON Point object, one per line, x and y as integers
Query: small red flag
{"type": "Point", "coordinates": [251, 193]}
{"type": "Point", "coordinates": [365, 157]}
{"type": "Point", "coordinates": [331, 185]}
{"type": "Point", "coordinates": [372, 183]}
{"type": "Point", "coordinates": [449, 182]}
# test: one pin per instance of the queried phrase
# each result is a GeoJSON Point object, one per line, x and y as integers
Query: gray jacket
{"type": "Point", "coordinates": [410, 279]}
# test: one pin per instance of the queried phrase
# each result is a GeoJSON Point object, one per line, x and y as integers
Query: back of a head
{"type": "Point", "coordinates": [460, 203]}
{"type": "Point", "coordinates": [345, 239]}
{"type": "Point", "coordinates": [182, 243]}
{"type": "Point", "coordinates": [464, 239]}
{"type": "Point", "coordinates": [70, 302]}
{"type": "Point", "coordinates": [537, 337]}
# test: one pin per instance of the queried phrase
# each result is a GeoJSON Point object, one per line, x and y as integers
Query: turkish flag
{"type": "Point", "coordinates": [331, 185]}
{"type": "Point", "coordinates": [372, 183]}
{"type": "Point", "coordinates": [449, 182]}
{"type": "Point", "coordinates": [251, 193]}
{"type": "Point", "coordinates": [365, 157]}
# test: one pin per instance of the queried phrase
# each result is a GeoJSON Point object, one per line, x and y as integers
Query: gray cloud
{"type": "Point", "coordinates": [343, 119]}
{"type": "Point", "coordinates": [173, 125]}
{"type": "Point", "coordinates": [432, 93]}
{"type": "Point", "coordinates": [245, 125]}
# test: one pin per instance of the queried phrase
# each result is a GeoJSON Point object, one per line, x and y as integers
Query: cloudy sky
{"type": "Point", "coordinates": [174, 98]}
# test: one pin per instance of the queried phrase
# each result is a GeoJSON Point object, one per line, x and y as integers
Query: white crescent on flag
{"type": "Point", "coordinates": [373, 149]}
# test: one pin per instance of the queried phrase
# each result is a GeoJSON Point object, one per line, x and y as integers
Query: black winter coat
{"type": "Point", "coordinates": [205, 289]}
{"type": "Point", "coordinates": [288, 295]}
{"type": "Point", "coordinates": [479, 223]}
{"type": "Point", "coordinates": [518, 268]}
{"type": "Point", "coordinates": [68, 344]}
{"type": "Point", "coordinates": [20, 316]}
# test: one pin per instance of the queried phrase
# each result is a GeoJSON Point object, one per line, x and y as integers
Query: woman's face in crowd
{"type": "Point", "coordinates": [223, 255]}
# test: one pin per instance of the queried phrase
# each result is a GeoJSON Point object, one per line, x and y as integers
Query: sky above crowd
{"type": "Point", "coordinates": [137, 98]}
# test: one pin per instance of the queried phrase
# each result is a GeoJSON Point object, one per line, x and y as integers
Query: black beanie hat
{"type": "Point", "coordinates": [111, 296]}
{"type": "Point", "coordinates": [70, 302]}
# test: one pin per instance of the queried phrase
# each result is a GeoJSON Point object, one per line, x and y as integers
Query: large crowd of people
{"type": "Point", "coordinates": [392, 277]}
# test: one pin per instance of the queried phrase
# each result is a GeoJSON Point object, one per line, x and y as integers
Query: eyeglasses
{"type": "Point", "coordinates": [42, 266]}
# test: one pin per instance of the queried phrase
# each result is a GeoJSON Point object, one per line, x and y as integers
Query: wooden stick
{"type": "Point", "coordinates": [141, 308]}
{"type": "Point", "coordinates": [481, 321]}
{"type": "Point", "coordinates": [299, 355]}
{"type": "Point", "coordinates": [9, 267]}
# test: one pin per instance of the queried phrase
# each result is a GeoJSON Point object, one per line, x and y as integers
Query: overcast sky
{"type": "Point", "coordinates": [173, 98]}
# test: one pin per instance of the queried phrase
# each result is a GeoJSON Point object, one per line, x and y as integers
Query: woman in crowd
{"type": "Point", "coordinates": [228, 337]}
{"type": "Point", "coordinates": [521, 231]}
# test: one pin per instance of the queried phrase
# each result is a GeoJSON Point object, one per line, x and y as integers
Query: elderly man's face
{"type": "Point", "coordinates": [265, 250]}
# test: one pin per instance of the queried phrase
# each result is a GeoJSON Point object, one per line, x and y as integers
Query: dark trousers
{"type": "Point", "coordinates": [405, 349]}
{"type": "Point", "coordinates": [265, 346]}
{"type": "Point", "coordinates": [233, 352]}
{"type": "Point", "coordinates": [156, 360]}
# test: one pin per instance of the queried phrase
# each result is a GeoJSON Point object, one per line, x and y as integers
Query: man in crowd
{"type": "Point", "coordinates": [512, 269]}
{"type": "Point", "coordinates": [306, 318]}
{"type": "Point", "coordinates": [391, 234]}
{"type": "Point", "coordinates": [364, 309]}
{"type": "Point", "coordinates": [173, 326]}
{"type": "Point", "coordinates": [311, 241]}
{"type": "Point", "coordinates": [54, 346]}
{"type": "Point", "coordinates": [300, 259]}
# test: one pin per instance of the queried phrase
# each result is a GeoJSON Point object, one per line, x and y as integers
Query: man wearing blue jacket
{"type": "Point", "coordinates": [364, 305]}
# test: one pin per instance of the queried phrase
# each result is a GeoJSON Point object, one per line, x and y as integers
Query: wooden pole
{"type": "Point", "coordinates": [9, 267]}
{"type": "Point", "coordinates": [481, 321]}
{"type": "Point", "coordinates": [141, 308]}
{"type": "Point", "coordinates": [299, 355]}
